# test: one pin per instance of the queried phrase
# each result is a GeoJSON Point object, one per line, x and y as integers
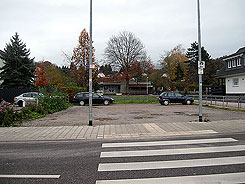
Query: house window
{"type": "Point", "coordinates": [233, 62]}
{"type": "Point", "coordinates": [235, 82]}
{"type": "Point", "coordinates": [229, 64]}
{"type": "Point", "coordinates": [239, 62]}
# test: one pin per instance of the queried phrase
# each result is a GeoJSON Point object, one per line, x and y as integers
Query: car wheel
{"type": "Point", "coordinates": [20, 103]}
{"type": "Point", "coordinates": [188, 102]}
{"type": "Point", "coordinates": [82, 103]}
{"type": "Point", "coordinates": [166, 102]}
{"type": "Point", "coordinates": [106, 102]}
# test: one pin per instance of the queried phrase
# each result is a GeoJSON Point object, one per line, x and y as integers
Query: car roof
{"type": "Point", "coordinates": [86, 92]}
{"type": "Point", "coordinates": [170, 92]}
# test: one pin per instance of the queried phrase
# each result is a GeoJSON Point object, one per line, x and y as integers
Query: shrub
{"type": "Point", "coordinates": [54, 102]}
{"type": "Point", "coordinates": [31, 112]}
{"type": "Point", "coordinates": [7, 114]}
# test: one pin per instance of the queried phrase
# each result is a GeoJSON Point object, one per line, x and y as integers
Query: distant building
{"type": "Point", "coordinates": [111, 87]}
{"type": "Point", "coordinates": [233, 73]}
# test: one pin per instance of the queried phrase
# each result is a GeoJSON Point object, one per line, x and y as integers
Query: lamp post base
{"type": "Point", "coordinates": [200, 118]}
{"type": "Point", "coordinates": [90, 123]}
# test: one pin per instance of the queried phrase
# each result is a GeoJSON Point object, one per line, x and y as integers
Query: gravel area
{"type": "Point", "coordinates": [133, 113]}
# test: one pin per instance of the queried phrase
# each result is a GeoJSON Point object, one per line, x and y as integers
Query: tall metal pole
{"type": "Point", "coordinates": [200, 69]}
{"type": "Point", "coordinates": [90, 70]}
{"type": "Point", "coordinates": [147, 86]}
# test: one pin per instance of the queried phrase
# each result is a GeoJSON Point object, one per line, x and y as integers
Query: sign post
{"type": "Point", "coordinates": [201, 64]}
{"type": "Point", "coordinates": [90, 69]}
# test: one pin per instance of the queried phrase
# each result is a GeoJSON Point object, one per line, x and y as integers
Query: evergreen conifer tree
{"type": "Point", "coordinates": [192, 54]}
{"type": "Point", "coordinates": [18, 69]}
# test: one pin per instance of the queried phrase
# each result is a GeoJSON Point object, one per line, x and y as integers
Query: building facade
{"type": "Point", "coordinates": [109, 87]}
{"type": "Point", "coordinates": [233, 73]}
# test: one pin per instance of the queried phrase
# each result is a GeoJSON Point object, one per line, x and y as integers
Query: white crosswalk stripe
{"type": "Point", "coordinates": [195, 148]}
{"type": "Point", "coordinates": [172, 151]}
{"type": "Point", "coordinates": [171, 164]}
{"type": "Point", "coordinates": [165, 143]}
{"type": "Point", "coordinates": [202, 179]}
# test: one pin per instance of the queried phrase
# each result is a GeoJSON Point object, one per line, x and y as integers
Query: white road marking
{"type": "Point", "coordinates": [171, 164]}
{"type": "Point", "coordinates": [172, 151]}
{"type": "Point", "coordinates": [164, 143]}
{"type": "Point", "coordinates": [230, 178]}
{"type": "Point", "coordinates": [31, 176]}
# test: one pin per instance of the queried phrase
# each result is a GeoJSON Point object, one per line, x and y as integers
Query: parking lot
{"type": "Point", "coordinates": [134, 114]}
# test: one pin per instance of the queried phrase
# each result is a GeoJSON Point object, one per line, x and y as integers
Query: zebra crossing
{"type": "Point", "coordinates": [199, 161]}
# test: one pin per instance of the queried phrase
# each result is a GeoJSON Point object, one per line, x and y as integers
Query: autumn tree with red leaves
{"type": "Point", "coordinates": [80, 59]}
{"type": "Point", "coordinates": [41, 81]}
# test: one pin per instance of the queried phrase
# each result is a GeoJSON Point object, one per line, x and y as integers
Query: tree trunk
{"type": "Point", "coordinates": [127, 86]}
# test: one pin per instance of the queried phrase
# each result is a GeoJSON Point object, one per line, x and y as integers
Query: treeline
{"type": "Point", "coordinates": [125, 59]}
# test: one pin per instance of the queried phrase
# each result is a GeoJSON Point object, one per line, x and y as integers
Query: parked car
{"type": "Point", "coordinates": [174, 97]}
{"type": "Point", "coordinates": [83, 98]}
{"type": "Point", "coordinates": [27, 98]}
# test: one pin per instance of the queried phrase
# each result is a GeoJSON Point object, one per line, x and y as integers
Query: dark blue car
{"type": "Point", "coordinates": [83, 98]}
{"type": "Point", "coordinates": [174, 97]}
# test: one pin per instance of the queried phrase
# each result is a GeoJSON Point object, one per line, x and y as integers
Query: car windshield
{"type": "Point", "coordinates": [163, 94]}
{"type": "Point", "coordinates": [95, 95]}
{"type": "Point", "coordinates": [36, 95]}
{"type": "Point", "coordinates": [27, 95]}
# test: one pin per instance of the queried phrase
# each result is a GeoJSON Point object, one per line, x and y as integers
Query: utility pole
{"type": "Point", "coordinates": [90, 69]}
{"type": "Point", "coordinates": [201, 64]}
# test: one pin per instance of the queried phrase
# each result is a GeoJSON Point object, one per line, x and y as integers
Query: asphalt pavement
{"type": "Point", "coordinates": [200, 159]}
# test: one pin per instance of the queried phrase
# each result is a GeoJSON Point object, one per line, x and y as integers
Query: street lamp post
{"type": "Point", "coordinates": [90, 69]}
{"type": "Point", "coordinates": [201, 64]}
{"type": "Point", "coordinates": [147, 86]}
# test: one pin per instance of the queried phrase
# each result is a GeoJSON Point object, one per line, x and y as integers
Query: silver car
{"type": "Point", "coordinates": [28, 97]}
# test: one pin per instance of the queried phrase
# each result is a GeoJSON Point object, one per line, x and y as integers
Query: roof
{"type": "Point", "coordinates": [240, 51]}
{"type": "Point", "coordinates": [223, 72]}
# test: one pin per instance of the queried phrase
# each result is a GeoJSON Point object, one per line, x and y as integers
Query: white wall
{"type": "Point", "coordinates": [231, 89]}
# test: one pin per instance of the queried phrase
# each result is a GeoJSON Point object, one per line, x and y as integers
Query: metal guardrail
{"type": "Point", "coordinates": [224, 101]}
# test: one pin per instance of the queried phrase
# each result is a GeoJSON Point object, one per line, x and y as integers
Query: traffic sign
{"type": "Point", "coordinates": [200, 71]}
{"type": "Point", "coordinates": [201, 64]}
{"type": "Point", "coordinates": [92, 66]}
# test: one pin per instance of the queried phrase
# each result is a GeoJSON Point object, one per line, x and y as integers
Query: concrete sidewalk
{"type": "Point", "coordinates": [120, 131]}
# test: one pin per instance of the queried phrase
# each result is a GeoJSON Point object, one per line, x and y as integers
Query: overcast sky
{"type": "Point", "coordinates": [49, 27]}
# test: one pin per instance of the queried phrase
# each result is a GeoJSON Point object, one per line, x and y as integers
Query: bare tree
{"type": "Point", "coordinates": [122, 51]}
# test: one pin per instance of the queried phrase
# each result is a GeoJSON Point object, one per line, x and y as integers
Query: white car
{"type": "Point", "coordinates": [25, 98]}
